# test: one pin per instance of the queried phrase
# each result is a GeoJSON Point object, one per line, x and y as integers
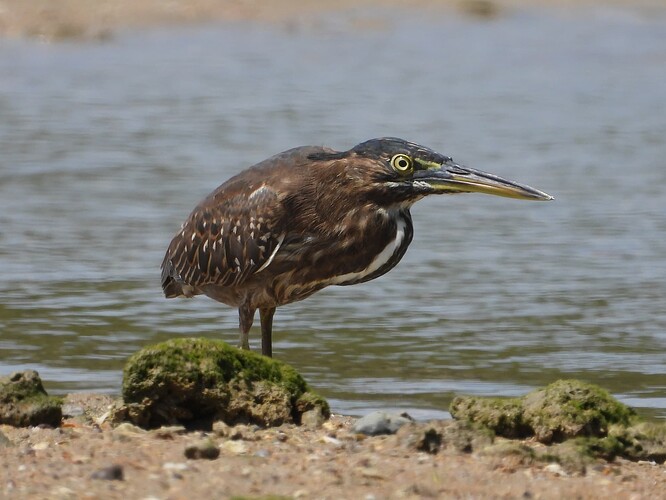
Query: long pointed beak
{"type": "Point", "coordinates": [453, 178]}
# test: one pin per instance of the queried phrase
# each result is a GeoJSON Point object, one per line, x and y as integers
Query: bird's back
{"type": "Point", "coordinates": [235, 231]}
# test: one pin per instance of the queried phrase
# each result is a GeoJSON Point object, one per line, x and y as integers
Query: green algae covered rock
{"type": "Point", "coordinates": [24, 402]}
{"type": "Point", "coordinates": [571, 408]}
{"type": "Point", "coordinates": [562, 410]}
{"type": "Point", "coordinates": [504, 416]}
{"type": "Point", "coordinates": [642, 440]}
{"type": "Point", "coordinates": [194, 382]}
{"type": "Point", "coordinates": [580, 422]}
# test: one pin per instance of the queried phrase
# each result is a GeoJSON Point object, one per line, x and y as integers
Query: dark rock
{"type": "Point", "coordinates": [205, 449]}
{"type": "Point", "coordinates": [111, 473]}
{"type": "Point", "coordinates": [24, 402]}
{"type": "Point", "coordinates": [380, 422]}
{"type": "Point", "coordinates": [194, 382]}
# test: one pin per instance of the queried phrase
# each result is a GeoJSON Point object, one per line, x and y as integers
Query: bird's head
{"type": "Point", "coordinates": [403, 172]}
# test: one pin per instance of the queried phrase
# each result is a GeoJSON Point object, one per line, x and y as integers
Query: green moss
{"type": "Point", "coordinates": [587, 422]}
{"type": "Point", "coordinates": [562, 410]}
{"type": "Point", "coordinates": [311, 400]}
{"type": "Point", "coordinates": [502, 449]}
{"type": "Point", "coordinates": [24, 402]}
{"type": "Point", "coordinates": [642, 441]}
{"type": "Point", "coordinates": [571, 408]}
{"type": "Point", "coordinates": [204, 363]}
{"type": "Point", "coordinates": [504, 416]}
{"type": "Point", "coordinates": [197, 380]}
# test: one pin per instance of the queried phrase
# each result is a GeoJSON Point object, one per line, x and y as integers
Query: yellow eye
{"type": "Point", "coordinates": [401, 163]}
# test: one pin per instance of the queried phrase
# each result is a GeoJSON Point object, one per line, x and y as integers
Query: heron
{"type": "Point", "coordinates": [312, 217]}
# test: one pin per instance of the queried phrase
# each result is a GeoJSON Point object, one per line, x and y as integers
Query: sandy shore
{"type": "Point", "coordinates": [53, 20]}
{"type": "Point", "coordinates": [84, 459]}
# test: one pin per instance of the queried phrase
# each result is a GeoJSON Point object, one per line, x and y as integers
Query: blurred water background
{"type": "Point", "coordinates": [106, 147]}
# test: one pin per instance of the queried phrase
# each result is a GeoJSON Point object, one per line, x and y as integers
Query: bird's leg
{"type": "Point", "coordinates": [245, 317]}
{"type": "Point", "coordinates": [266, 317]}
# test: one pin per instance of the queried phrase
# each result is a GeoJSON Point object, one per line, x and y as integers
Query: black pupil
{"type": "Point", "coordinates": [402, 163]}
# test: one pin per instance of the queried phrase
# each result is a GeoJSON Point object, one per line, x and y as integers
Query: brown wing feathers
{"type": "Point", "coordinates": [223, 241]}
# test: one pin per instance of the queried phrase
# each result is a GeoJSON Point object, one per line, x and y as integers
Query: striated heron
{"type": "Point", "coordinates": [312, 217]}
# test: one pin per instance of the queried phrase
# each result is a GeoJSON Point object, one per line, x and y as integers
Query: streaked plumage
{"type": "Point", "coordinates": [308, 218]}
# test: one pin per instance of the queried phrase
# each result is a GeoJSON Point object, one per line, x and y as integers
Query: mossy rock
{"type": "Point", "coordinates": [194, 382]}
{"type": "Point", "coordinates": [24, 402]}
{"type": "Point", "coordinates": [642, 441]}
{"type": "Point", "coordinates": [582, 423]}
{"type": "Point", "coordinates": [571, 408]}
{"type": "Point", "coordinates": [562, 410]}
{"type": "Point", "coordinates": [504, 416]}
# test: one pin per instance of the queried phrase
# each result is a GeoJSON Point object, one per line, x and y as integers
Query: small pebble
{"type": "Point", "coordinates": [111, 473]}
{"type": "Point", "coordinates": [235, 447]}
{"type": "Point", "coordinates": [206, 449]}
{"type": "Point", "coordinates": [380, 422]}
{"type": "Point", "coordinates": [555, 469]}
{"type": "Point", "coordinates": [62, 492]}
{"type": "Point", "coordinates": [177, 466]}
{"type": "Point", "coordinates": [331, 440]}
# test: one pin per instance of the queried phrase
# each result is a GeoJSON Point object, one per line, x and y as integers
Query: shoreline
{"type": "Point", "coordinates": [88, 458]}
{"type": "Point", "coordinates": [72, 20]}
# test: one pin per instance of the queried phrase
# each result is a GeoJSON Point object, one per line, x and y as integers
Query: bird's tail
{"type": "Point", "coordinates": [170, 284]}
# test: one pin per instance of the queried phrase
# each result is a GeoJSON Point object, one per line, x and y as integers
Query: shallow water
{"type": "Point", "coordinates": [105, 148]}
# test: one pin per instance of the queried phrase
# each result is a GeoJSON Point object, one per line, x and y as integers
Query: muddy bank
{"type": "Point", "coordinates": [80, 19]}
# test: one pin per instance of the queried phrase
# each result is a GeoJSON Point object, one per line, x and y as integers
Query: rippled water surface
{"type": "Point", "coordinates": [105, 148]}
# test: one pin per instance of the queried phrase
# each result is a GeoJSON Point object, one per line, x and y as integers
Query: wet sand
{"type": "Point", "coordinates": [84, 459]}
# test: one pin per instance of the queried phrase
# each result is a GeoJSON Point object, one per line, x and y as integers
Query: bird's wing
{"type": "Point", "coordinates": [225, 240]}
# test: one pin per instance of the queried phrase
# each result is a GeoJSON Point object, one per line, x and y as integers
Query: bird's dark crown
{"type": "Point", "coordinates": [385, 148]}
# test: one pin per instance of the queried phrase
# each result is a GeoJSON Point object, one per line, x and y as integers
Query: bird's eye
{"type": "Point", "coordinates": [401, 163]}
